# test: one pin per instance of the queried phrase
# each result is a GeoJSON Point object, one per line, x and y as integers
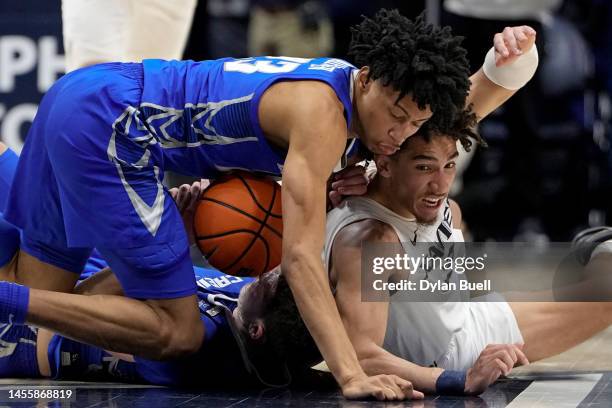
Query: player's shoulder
{"type": "Point", "coordinates": [370, 230]}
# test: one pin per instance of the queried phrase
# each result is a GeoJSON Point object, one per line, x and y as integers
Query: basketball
{"type": "Point", "coordinates": [238, 224]}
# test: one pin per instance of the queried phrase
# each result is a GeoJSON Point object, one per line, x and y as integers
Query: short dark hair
{"type": "Point", "coordinates": [286, 332]}
{"type": "Point", "coordinates": [415, 58]}
{"type": "Point", "coordinates": [287, 346]}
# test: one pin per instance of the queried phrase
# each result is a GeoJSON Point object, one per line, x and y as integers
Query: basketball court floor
{"type": "Point", "coordinates": [581, 377]}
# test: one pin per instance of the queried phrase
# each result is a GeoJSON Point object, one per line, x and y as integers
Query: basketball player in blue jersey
{"type": "Point", "coordinates": [103, 137]}
{"type": "Point", "coordinates": [261, 314]}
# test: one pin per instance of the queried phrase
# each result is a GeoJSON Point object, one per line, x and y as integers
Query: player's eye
{"type": "Point", "coordinates": [451, 165]}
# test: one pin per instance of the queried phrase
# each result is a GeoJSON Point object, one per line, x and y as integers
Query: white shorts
{"type": "Point", "coordinates": [124, 30]}
{"type": "Point", "coordinates": [487, 323]}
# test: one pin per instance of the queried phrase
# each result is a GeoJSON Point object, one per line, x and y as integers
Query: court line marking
{"type": "Point", "coordinates": [566, 392]}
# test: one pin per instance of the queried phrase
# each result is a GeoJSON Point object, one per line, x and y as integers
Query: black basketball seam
{"type": "Point", "coordinates": [222, 234]}
{"type": "Point", "coordinates": [261, 227]}
{"type": "Point", "coordinates": [248, 231]}
{"type": "Point", "coordinates": [231, 207]}
{"type": "Point", "coordinates": [261, 207]}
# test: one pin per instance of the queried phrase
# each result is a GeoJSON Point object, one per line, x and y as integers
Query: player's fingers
{"type": "Point", "coordinates": [417, 395]}
{"type": "Point", "coordinates": [501, 51]}
{"type": "Point", "coordinates": [173, 193]}
{"type": "Point", "coordinates": [511, 351]}
{"type": "Point", "coordinates": [379, 394]}
{"type": "Point", "coordinates": [506, 357]}
{"type": "Point", "coordinates": [505, 370]}
{"type": "Point", "coordinates": [356, 179]}
{"type": "Point", "coordinates": [405, 387]}
{"type": "Point", "coordinates": [510, 40]}
{"type": "Point", "coordinates": [528, 30]}
{"type": "Point", "coordinates": [520, 34]}
{"type": "Point", "coordinates": [349, 172]}
{"type": "Point", "coordinates": [335, 198]}
{"type": "Point", "coordinates": [353, 190]}
{"type": "Point", "coordinates": [522, 357]}
{"type": "Point", "coordinates": [183, 191]}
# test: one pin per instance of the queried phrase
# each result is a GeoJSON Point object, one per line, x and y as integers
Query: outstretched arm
{"type": "Point", "coordinates": [317, 135]}
{"type": "Point", "coordinates": [509, 65]}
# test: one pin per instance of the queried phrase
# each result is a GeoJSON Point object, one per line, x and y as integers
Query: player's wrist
{"type": "Point", "coordinates": [452, 383]}
{"type": "Point", "coordinates": [347, 377]}
{"type": "Point", "coordinates": [511, 76]}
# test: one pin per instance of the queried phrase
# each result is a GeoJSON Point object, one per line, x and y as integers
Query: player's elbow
{"type": "Point", "coordinates": [176, 337]}
{"type": "Point", "coordinates": [176, 344]}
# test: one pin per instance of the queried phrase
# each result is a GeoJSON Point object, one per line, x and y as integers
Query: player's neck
{"type": "Point", "coordinates": [378, 190]}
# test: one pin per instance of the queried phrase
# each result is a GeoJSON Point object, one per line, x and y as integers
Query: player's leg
{"type": "Point", "coordinates": [105, 41]}
{"type": "Point", "coordinates": [158, 28]}
{"type": "Point", "coordinates": [549, 328]}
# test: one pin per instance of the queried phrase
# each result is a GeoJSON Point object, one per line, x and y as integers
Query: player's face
{"type": "Point", "coordinates": [384, 122]}
{"type": "Point", "coordinates": [422, 175]}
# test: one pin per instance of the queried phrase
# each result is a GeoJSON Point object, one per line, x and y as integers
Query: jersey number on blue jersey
{"type": "Point", "coordinates": [265, 65]}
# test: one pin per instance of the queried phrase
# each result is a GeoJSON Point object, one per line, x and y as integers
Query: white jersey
{"type": "Point", "coordinates": [448, 334]}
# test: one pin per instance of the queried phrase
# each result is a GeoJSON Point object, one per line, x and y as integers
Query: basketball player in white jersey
{"type": "Point", "coordinates": [468, 344]}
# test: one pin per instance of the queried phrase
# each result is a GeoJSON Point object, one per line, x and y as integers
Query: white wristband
{"type": "Point", "coordinates": [511, 76]}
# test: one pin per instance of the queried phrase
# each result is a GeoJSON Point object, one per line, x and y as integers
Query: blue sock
{"type": "Point", "coordinates": [18, 351]}
{"type": "Point", "coordinates": [71, 359]}
{"type": "Point", "coordinates": [14, 301]}
{"type": "Point", "coordinates": [8, 166]}
{"type": "Point", "coordinates": [9, 241]}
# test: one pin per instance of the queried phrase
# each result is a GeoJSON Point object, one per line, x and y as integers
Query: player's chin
{"type": "Point", "coordinates": [426, 214]}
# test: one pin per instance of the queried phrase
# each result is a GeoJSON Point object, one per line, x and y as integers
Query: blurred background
{"type": "Point", "coordinates": [546, 174]}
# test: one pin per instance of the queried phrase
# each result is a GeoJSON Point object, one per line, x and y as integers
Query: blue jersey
{"type": "Point", "coordinates": [219, 358]}
{"type": "Point", "coordinates": [204, 115]}
{"type": "Point", "coordinates": [215, 287]}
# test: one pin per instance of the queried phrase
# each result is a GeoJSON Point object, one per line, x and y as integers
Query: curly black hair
{"type": "Point", "coordinates": [463, 129]}
{"type": "Point", "coordinates": [415, 58]}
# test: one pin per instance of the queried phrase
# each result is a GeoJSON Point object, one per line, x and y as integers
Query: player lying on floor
{"type": "Point", "coordinates": [469, 344]}
{"type": "Point", "coordinates": [262, 310]}
{"type": "Point", "coordinates": [269, 344]}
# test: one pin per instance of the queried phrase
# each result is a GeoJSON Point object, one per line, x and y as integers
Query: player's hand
{"type": "Point", "coordinates": [187, 197]}
{"type": "Point", "coordinates": [494, 361]}
{"type": "Point", "coordinates": [381, 387]}
{"type": "Point", "coordinates": [511, 43]}
{"type": "Point", "coordinates": [347, 182]}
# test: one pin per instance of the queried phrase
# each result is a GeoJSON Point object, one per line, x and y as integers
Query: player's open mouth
{"type": "Point", "coordinates": [433, 202]}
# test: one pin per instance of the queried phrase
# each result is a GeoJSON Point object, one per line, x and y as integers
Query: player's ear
{"type": "Point", "coordinates": [257, 330]}
{"type": "Point", "coordinates": [383, 165]}
{"type": "Point", "coordinates": [362, 78]}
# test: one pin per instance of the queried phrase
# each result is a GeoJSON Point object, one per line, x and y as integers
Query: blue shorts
{"type": "Point", "coordinates": [93, 182]}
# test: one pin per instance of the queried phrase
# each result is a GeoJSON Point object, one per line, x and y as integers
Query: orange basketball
{"type": "Point", "coordinates": [238, 224]}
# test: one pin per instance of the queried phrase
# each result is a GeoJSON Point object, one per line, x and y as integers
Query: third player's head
{"type": "Point", "coordinates": [415, 181]}
{"type": "Point", "coordinates": [408, 69]}
{"type": "Point", "coordinates": [271, 326]}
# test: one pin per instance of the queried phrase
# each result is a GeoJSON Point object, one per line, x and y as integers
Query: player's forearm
{"type": "Point", "coordinates": [310, 288]}
{"type": "Point", "coordinates": [486, 96]}
{"type": "Point", "coordinates": [380, 361]}
{"type": "Point", "coordinates": [112, 322]}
